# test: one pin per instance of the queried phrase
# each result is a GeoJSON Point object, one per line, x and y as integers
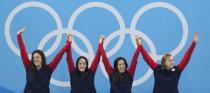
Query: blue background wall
{"type": "Point", "coordinates": [161, 25]}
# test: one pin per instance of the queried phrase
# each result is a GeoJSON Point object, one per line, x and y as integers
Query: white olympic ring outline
{"type": "Point", "coordinates": [121, 32]}
{"type": "Point", "coordinates": [26, 5]}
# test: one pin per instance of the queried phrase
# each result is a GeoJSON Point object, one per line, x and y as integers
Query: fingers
{"type": "Point", "coordinates": [196, 37]}
{"type": "Point", "coordinates": [21, 30]}
{"type": "Point", "coordinates": [101, 39]}
{"type": "Point", "coordinates": [139, 39]}
{"type": "Point", "coordinates": [69, 37]}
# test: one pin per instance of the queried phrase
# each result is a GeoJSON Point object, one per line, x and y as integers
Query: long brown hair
{"type": "Point", "coordinates": [116, 61]}
{"type": "Point", "coordinates": [116, 71]}
{"type": "Point", "coordinates": [86, 61]}
{"type": "Point", "coordinates": [32, 68]}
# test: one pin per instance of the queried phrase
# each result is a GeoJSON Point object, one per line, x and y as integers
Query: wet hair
{"type": "Point", "coordinates": [116, 63]}
{"type": "Point", "coordinates": [77, 62]}
{"type": "Point", "coordinates": [32, 67]}
{"type": "Point", "coordinates": [165, 58]}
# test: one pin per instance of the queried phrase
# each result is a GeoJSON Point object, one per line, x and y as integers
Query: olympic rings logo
{"type": "Point", "coordinates": [121, 33]}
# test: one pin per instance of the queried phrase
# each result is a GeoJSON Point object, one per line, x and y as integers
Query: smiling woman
{"type": "Point", "coordinates": [167, 75]}
{"type": "Point", "coordinates": [121, 78]}
{"type": "Point", "coordinates": [166, 26]}
{"type": "Point", "coordinates": [82, 77]}
{"type": "Point", "coordinates": [38, 74]}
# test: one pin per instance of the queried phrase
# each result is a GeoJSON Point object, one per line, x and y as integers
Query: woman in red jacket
{"type": "Point", "coordinates": [38, 73]}
{"type": "Point", "coordinates": [82, 77]}
{"type": "Point", "coordinates": [166, 74]}
{"type": "Point", "coordinates": [121, 78]}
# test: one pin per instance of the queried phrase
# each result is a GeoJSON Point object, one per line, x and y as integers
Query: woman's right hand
{"type": "Point", "coordinates": [21, 30]}
{"type": "Point", "coordinates": [101, 39]}
{"type": "Point", "coordinates": [69, 37]}
{"type": "Point", "coordinates": [196, 37]}
{"type": "Point", "coordinates": [139, 40]}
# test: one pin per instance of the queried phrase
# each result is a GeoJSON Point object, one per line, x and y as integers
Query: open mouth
{"type": "Point", "coordinates": [82, 68]}
{"type": "Point", "coordinates": [36, 61]}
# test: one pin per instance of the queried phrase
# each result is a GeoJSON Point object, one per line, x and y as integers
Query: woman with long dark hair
{"type": "Point", "coordinates": [38, 73]}
{"type": "Point", "coordinates": [82, 77]}
{"type": "Point", "coordinates": [166, 74]}
{"type": "Point", "coordinates": [121, 78]}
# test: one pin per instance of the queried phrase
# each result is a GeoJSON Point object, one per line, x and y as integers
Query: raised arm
{"type": "Point", "coordinates": [188, 53]}
{"type": "Point", "coordinates": [70, 60]}
{"type": "Point", "coordinates": [23, 52]}
{"type": "Point", "coordinates": [58, 57]}
{"type": "Point", "coordinates": [106, 62]}
{"type": "Point", "coordinates": [132, 67]}
{"type": "Point", "coordinates": [147, 58]}
{"type": "Point", "coordinates": [96, 60]}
